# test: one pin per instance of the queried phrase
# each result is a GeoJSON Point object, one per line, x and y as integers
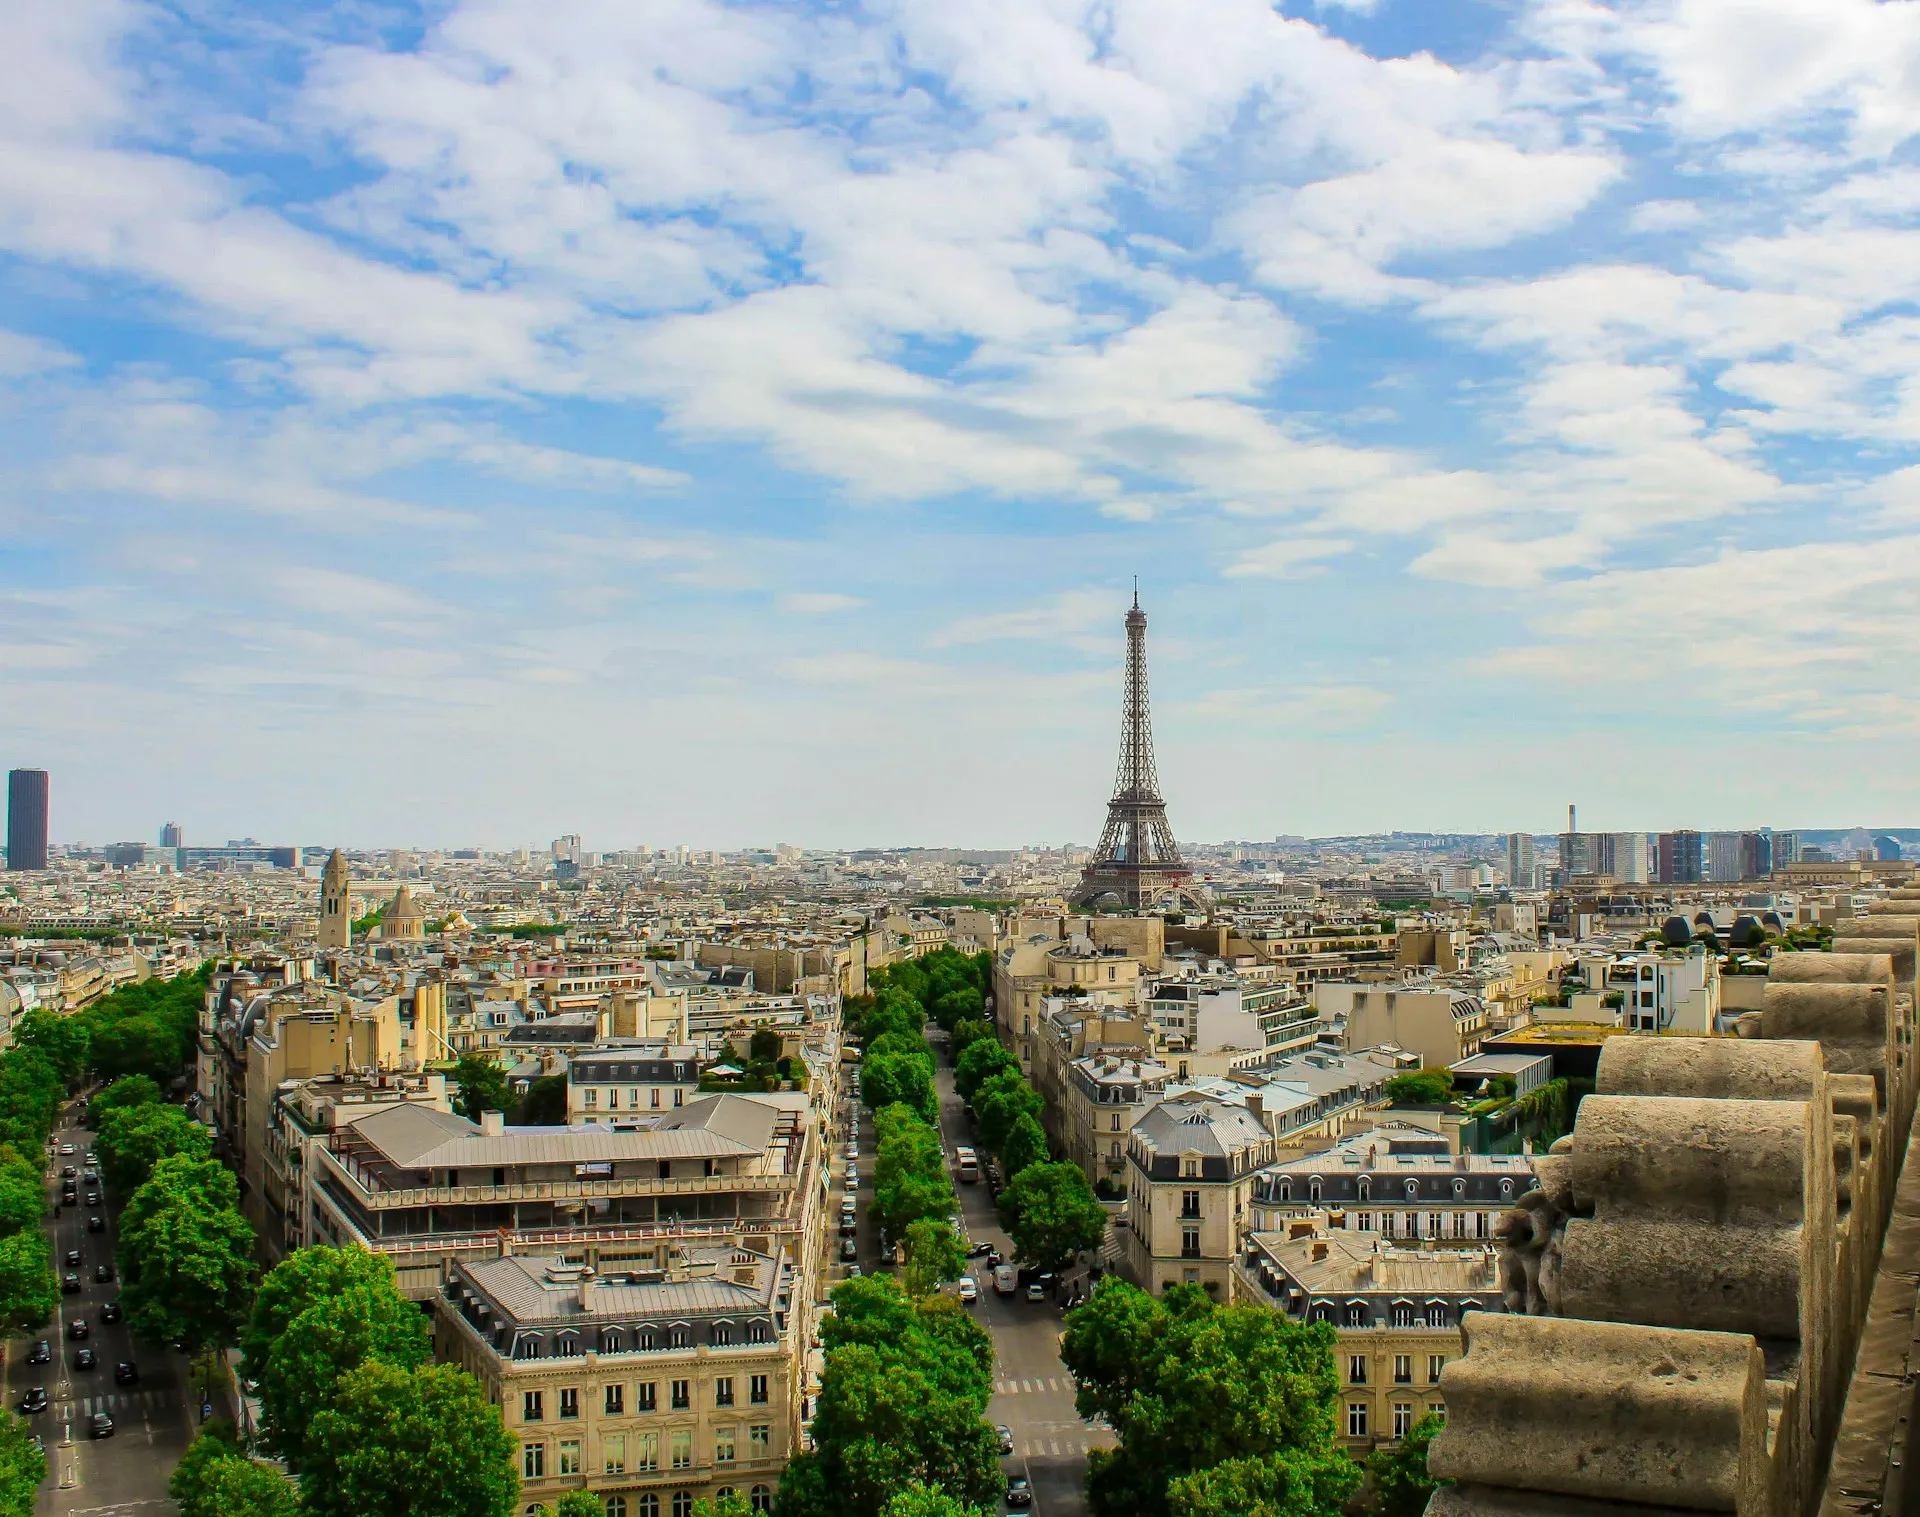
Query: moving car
{"type": "Point", "coordinates": [84, 1360]}
{"type": "Point", "coordinates": [103, 1272]}
{"type": "Point", "coordinates": [40, 1353]}
{"type": "Point", "coordinates": [77, 1328]}
{"type": "Point", "coordinates": [68, 1172]}
{"type": "Point", "coordinates": [70, 1284]}
{"type": "Point", "coordinates": [1036, 1291]}
{"type": "Point", "coordinates": [93, 1198]}
{"type": "Point", "coordinates": [125, 1372]}
{"type": "Point", "coordinates": [96, 1224]}
{"type": "Point", "coordinates": [969, 1292]}
{"type": "Point", "coordinates": [110, 1312]}
{"type": "Point", "coordinates": [1019, 1491]}
{"type": "Point", "coordinates": [65, 1149]}
{"type": "Point", "coordinates": [100, 1425]}
{"type": "Point", "coordinates": [73, 1256]}
{"type": "Point", "coordinates": [35, 1400]}
{"type": "Point", "coordinates": [1006, 1439]}
{"type": "Point", "coordinates": [979, 1250]}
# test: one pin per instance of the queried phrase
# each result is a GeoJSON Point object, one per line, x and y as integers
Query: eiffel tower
{"type": "Point", "coordinates": [1137, 860]}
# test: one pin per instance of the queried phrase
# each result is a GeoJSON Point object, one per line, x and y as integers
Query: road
{"type": "Point", "coordinates": [122, 1476]}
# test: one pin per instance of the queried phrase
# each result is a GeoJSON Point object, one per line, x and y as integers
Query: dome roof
{"type": "Point", "coordinates": [402, 909]}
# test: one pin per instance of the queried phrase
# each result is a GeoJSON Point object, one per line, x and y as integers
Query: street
{"type": "Point", "coordinates": [154, 1419]}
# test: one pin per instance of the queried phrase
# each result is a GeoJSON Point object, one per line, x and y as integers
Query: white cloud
{"type": "Point", "coordinates": [819, 602]}
{"type": "Point", "coordinates": [1665, 216]}
{"type": "Point", "coordinates": [1287, 558]}
{"type": "Point", "coordinates": [1067, 616]}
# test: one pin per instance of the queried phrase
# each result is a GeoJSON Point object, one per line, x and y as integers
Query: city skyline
{"type": "Point", "coordinates": [1496, 403]}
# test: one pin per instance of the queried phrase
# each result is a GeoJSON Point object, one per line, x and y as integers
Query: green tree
{"type": "Point", "coordinates": [910, 1179]}
{"type": "Point", "coordinates": [1401, 1484]}
{"type": "Point", "coordinates": [409, 1443]}
{"type": "Point", "coordinates": [215, 1478]}
{"type": "Point", "coordinates": [304, 1278]}
{"type": "Point", "coordinates": [922, 1500]}
{"type": "Point", "coordinates": [22, 1467]}
{"type": "Point", "coordinates": [586, 1504]}
{"type": "Point", "coordinates": [62, 1041]}
{"type": "Point", "coordinates": [983, 1059]}
{"type": "Point", "coordinates": [934, 1256]}
{"type": "Point", "coordinates": [733, 1504]}
{"type": "Point", "coordinates": [134, 1139]}
{"type": "Point", "coordinates": [331, 1338]}
{"type": "Point", "coordinates": [216, 1440]}
{"type": "Point", "coordinates": [545, 1104]}
{"type": "Point", "coordinates": [28, 1291]}
{"type": "Point", "coordinates": [965, 1034]}
{"type": "Point", "coordinates": [483, 1086]}
{"type": "Point", "coordinates": [128, 1090]}
{"type": "Point", "coordinates": [764, 1046]}
{"type": "Point", "coordinates": [1050, 1212]}
{"type": "Point", "coordinates": [1218, 1409]}
{"type": "Point", "coordinates": [901, 1402]}
{"type": "Point", "coordinates": [186, 1255]}
{"type": "Point", "coordinates": [1000, 1103]}
{"type": "Point", "coordinates": [23, 1192]}
{"type": "Point", "coordinates": [904, 1079]}
{"type": "Point", "coordinates": [1025, 1145]}
{"type": "Point", "coordinates": [1421, 1087]}
{"type": "Point", "coordinates": [142, 1045]}
{"type": "Point", "coordinates": [31, 1091]}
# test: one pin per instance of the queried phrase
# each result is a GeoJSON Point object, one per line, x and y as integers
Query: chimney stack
{"type": "Point", "coordinates": [587, 1287]}
{"type": "Point", "coordinates": [492, 1123]}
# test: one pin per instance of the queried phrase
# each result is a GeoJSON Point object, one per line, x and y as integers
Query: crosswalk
{"type": "Point", "coordinates": [1068, 1447]}
{"type": "Point", "coordinates": [1056, 1385]}
{"type": "Point", "coordinates": [123, 1403]}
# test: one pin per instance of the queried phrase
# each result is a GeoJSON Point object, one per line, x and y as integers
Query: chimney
{"type": "Point", "coordinates": [492, 1123]}
{"type": "Point", "coordinates": [506, 1244]}
{"type": "Point", "coordinates": [1319, 1252]}
{"type": "Point", "coordinates": [587, 1288]}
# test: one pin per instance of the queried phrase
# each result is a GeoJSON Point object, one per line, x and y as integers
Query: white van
{"type": "Point", "coordinates": [967, 1164]}
{"type": "Point", "coordinates": [1005, 1279]}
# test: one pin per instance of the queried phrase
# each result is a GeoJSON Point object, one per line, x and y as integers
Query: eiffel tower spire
{"type": "Point", "coordinates": [1137, 859]}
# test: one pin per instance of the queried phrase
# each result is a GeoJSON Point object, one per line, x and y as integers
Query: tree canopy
{"type": "Point", "coordinates": [1051, 1214]}
{"type": "Point", "coordinates": [1401, 1484]}
{"type": "Point", "coordinates": [128, 1090]}
{"type": "Point", "coordinates": [1421, 1087]}
{"type": "Point", "coordinates": [133, 1139]}
{"type": "Point", "coordinates": [1000, 1103]}
{"type": "Point", "coordinates": [895, 1078]}
{"type": "Point", "coordinates": [910, 1179]}
{"type": "Point", "coordinates": [1218, 1409]}
{"type": "Point", "coordinates": [934, 1256]}
{"type": "Point", "coordinates": [186, 1255]}
{"type": "Point", "coordinates": [983, 1058]}
{"type": "Point", "coordinates": [216, 1478]}
{"type": "Point", "coordinates": [483, 1086]}
{"type": "Point", "coordinates": [22, 1467]}
{"type": "Point", "coordinates": [61, 1040]}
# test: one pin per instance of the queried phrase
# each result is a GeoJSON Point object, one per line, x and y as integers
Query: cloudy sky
{"type": "Point", "coordinates": [674, 420]}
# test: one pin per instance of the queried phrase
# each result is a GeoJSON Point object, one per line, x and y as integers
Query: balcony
{"type": "Point", "coordinates": [376, 1197]}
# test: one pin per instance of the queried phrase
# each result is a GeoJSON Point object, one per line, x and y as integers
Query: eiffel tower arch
{"type": "Point", "coordinates": [1137, 862]}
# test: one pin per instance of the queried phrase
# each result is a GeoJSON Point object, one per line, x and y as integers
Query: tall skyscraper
{"type": "Point", "coordinates": [1786, 849]}
{"type": "Point", "coordinates": [1520, 860]}
{"type": "Point", "coordinates": [171, 836]}
{"type": "Point", "coordinates": [27, 819]}
{"type": "Point", "coordinates": [1576, 849]}
{"type": "Point", "coordinates": [1680, 861]}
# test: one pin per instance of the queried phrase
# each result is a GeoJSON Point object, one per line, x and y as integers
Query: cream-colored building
{"type": "Point", "coordinates": [1027, 972]}
{"type": "Point", "coordinates": [336, 903]}
{"type": "Point", "coordinates": [1397, 1312]}
{"type": "Point", "coordinates": [1191, 1166]}
{"type": "Point", "coordinates": [1440, 1023]}
{"type": "Point", "coordinates": [651, 1388]}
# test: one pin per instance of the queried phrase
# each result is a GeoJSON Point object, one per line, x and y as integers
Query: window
{"type": "Point", "coordinates": [1403, 1369]}
{"type": "Point", "coordinates": [533, 1461]}
{"type": "Point", "coordinates": [1356, 1419]}
{"type": "Point", "coordinates": [1438, 1408]}
{"type": "Point", "coordinates": [592, 1096]}
{"type": "Point", "coordinates": [656, 1098]}
{"type": "Point", "coordinates": [613, 1454]}
{"type": "Point", "coordinates": [762, 1498]}
{"type": "Point", "coordinates": [1313, 1190]}
{"type": "Point", "coordinates": [1480, 1224]}
{"type": "Point", "coordinates": [649, 1505]}
{"type": "Point", "coordinates": [633, 1097]}
{"type": "Point", "coordinates": [1459, 1188]}
{"type": "Point", "coordinates": [570, 1401]}
{"type": "Point", "coordinates": [532, 1406]}
{"type": "Point", "coordinates": [1435, 1364]}
{"type": "Point", "coordinates": [1190, 1169]}
{"type": "Point", "coordinates": [1413, 1224]}
{"type": "Point", "coordinates": [1413, 1189]}
{"type": "Point", "coordinates": [646, 1397]}
{"type": "Point", "coordinates": [1403, 1314]}
{"type": "Point", "coordinates": [567, 1346]}
{"type": "Point", "coordinates": [1189, 1203]}
{"type": "Point", "coordinates": [682, 1395]}
{"type": "Point", "coordinates": [683, 1504]}
{"type": "Point", "coordinates": [646, 1452]}
{"type": "Point", "coordinates": [723, 1391]}
{"type": "Point", "coordinates": [1402, 1418]}
{"type": "Point", "coordinates": [1366, 1221]}
{"type": "Point", "coordinates": [1189, 1243]}
{"type": "Point", "coordinates": [723, 1445]}
{"type": "Point", "coordinates": [1356, 1314]}
{"type": "Point", "coordinates": [757, 1390]}
{"type": "Point", "coordinates": [1387, 1225]}
{"type": "Point", "coordinates": [680, 1336]}
{"type": "Point", "coordinates": [616, 1506]}
{"type": "Point", "coordinates": [1439, 1314]}
{"type": "Point", "coordinates": [616, 1402]}
{"type": "Point", "coordinates": [1114, 1125]}
{"type": "Point", "coordinates": [1459, 1224]}
{"type": "Point", "coordinates": [1356, 1369]}
{"type": "Point", "coordinates": [569, 1457]}
{"type": "Point", "coordinates": [680, 1449]}
{"type": "Point", "coordinates": [760, 1441]}
{"type": "Point", "coordinates": [1506, 1187]}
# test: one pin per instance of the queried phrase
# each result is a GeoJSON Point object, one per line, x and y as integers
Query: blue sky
{"type": "Point", "coordinates": [743, 422]}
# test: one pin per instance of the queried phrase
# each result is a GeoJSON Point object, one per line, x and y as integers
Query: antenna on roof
{"type": "Point", "coordinates": [1136, 592]}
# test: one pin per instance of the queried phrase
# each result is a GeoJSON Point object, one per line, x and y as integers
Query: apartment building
{"type": "Point", "coordinates": [1030, 972]}
{"type": "Point", "coordinates": [1439, 1022]}
{"type": "Point", "coordinates": [1306, 1098]}
{"type": "Point", "coordinates": [1396, 1311]}
{"type": "Point", "coordinates": [1191, 1165]}
{"type": "Point", "coordinates": [1395, 1180]}
{"type": "Point", "coordinates": [622, 1086]}
{"type": "Point", "coordinates": [649, 1387]}
{"type": "Point", "coordinates": [1103, 1095]}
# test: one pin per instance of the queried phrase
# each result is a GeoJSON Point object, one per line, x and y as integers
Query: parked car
{"type": "Point", "coordinates": [1019, 1492]}
{"type": "Point", "coordinates": [1036, 1291]}
{"type": "Point", "coordinates": [84, 1360]}
{"type": "Point", "coordinates": [125, 1373]}
{"type": "Point", "coordinates": [35, 1400]}
{"type": "Point", "coordinates": [40, 1353]}
{"type": "Point", "coordinates": [849, 1250]}
{"type": "Point", "coordinates": [100, 1425]}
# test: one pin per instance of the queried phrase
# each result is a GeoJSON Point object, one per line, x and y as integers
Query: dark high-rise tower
{"type": "Point", "coordinates": [27, 819]}
{"type": "Point", "coordinates": [1137, 860]}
